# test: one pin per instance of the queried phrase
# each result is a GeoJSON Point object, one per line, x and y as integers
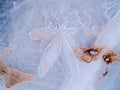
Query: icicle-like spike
{"type": "Point", "coordinates": [49, 56]}
{"type": "Point", "coordinates": [72, 65]}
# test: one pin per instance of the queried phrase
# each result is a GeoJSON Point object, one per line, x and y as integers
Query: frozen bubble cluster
{"type": "Point", "coordinates": [59, 44]}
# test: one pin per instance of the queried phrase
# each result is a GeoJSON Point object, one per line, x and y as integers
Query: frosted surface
{"type": "Point", "coordinates": [45, 32]}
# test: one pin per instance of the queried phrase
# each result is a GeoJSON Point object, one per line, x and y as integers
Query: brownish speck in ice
{"type": "Point", "coordinates": [106, 72]}
{"type": "Point", "coordinates": [14, 76]}
{"type": "Point", "coordinates": [99, 78]}
{"type": "Point", "coordinates": [87, 55]}
{"type": "Point", "coordinates": [3, 68]}
{"type": "Point", "coordinates": [77, 51]}
{"type": "Point", "coordinates": [109, 57]}
{"type": "Point", "coordinates": [95, 30]}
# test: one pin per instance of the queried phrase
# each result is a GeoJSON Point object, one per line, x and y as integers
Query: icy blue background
{"type": "Point", "coordinates": [16, 21]}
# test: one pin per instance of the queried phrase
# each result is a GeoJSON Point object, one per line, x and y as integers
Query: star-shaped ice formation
{"type": "Point", "coordinates": [55, 40]}
{"type": "Point", "coordinates": [59, 41]}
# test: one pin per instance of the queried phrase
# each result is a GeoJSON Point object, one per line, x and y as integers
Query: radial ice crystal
{"type": "Point", "coordinates": [63, 44]}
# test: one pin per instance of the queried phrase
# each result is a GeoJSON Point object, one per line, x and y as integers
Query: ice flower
{"type": "Point", "coordinates": [54, 41]}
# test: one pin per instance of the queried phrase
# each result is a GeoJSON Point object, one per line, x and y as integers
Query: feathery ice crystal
{"type": "Point", "coordinates": [54, 40]}
{"type": "Point", "coordinates": [48, 34]}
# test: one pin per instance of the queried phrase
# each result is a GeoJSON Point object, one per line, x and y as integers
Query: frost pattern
{"type": "Point", "coordinates": [46, 32]}
{"type": "Point", "coordinates": [111, 8]}
{"type": "Point", "coordinates": [55, 44]}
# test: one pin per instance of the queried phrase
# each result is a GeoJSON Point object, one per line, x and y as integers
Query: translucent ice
{"type": "Point", "coordinates": [48, 33]}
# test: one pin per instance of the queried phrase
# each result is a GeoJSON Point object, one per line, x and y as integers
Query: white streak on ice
{"type": "Point", "coordinates": [51, 53]}
{"type": "Point", "coordinates": [109, 37]}
{"type": "Point", "coordinates": [79, 74]}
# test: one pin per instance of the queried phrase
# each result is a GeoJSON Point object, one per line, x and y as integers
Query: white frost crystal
{"type": "Point", "coordinates": [64, 44]}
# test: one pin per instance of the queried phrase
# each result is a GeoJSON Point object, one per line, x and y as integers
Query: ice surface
{"type": "Point", "coordinates": [45, 32]}
{"type": "Point", "coordinates": [111, 29]}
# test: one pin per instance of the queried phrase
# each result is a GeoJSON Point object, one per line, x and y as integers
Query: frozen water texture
{"type": "Point", "coordinates": [111, 29]}
{"type": "Point", "coordinates": [46, 31]}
